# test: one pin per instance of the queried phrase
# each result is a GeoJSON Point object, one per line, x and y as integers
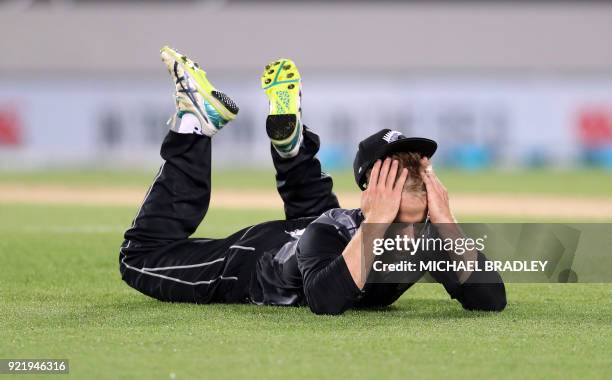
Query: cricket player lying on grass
{"type": "Point", "coordinates": [314, 256]}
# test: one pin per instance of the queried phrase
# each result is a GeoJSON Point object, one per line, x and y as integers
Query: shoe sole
{"type": "Point", "coordinates": [281, 82]}
{"type": "Point", "coordinates": [217, 99]}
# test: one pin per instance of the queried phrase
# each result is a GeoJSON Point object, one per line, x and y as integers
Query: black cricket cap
{"type": "Point", "coordinates": [383, 143]}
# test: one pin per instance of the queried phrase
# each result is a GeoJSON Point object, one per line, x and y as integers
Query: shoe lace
{"type": "Point", "coordinates": [188, 90]}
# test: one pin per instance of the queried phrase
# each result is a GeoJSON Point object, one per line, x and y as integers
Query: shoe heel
{"type": "Point", "coordinates": [281, 127]}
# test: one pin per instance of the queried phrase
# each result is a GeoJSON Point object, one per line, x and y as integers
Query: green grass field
{"type": "Point", "coordinates": [61, 296]}
{"type": "Point", "coordinates": [587, 182]}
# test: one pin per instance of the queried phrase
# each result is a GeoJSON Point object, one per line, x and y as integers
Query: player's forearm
{"type": "Point", "coordinates": [359, 255]}
{"type": "Point", "coordinates": [331, 290]}
{"type": "Point", "coordinates": [453, 231]}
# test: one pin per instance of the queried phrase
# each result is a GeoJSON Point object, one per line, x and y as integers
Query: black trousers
{"type": "Point", "coordinates": [159, 259]}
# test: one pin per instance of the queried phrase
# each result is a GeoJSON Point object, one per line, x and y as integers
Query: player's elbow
{"type": "Point", "coordinates": [326, 308]}
{"type": "Point", "coordinates": [484, 297]}
{"type": "Point", "coordinates": [330, 289]}
{"type": "Point", "coordinates": [324, 301]}
{"type": "Point", "coordinates": [486, 305]}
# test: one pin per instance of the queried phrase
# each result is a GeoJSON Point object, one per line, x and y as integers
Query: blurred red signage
{"type": "Point", "coordinates": [595, 126]}
{"type": "Point", "coordinates": [11, 131]}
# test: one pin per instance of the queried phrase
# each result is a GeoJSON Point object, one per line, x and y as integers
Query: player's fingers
{"type": "Point", "coordinates": [374, 175]}
{"type": "Point", "coordinates": [427, 166]}
{"type": "Point", "coordinates": [399, 184]}
{"type": "Point", "coordinates": [424, 173]}
{"type": "Point", "coordinates": [436, 180]}
{"type": "Point", "coordinates": [392, 174]}
{"type": "Point", "coordinates": [384, 172]}
{"type": "Point", "coordinates": [429, 188]}
{"type": "Point", "coordinates": [429, 172]}
{"type": "Point", "coordinates": [424, 162]}
{"type": "Point", "coordinates": [427, 180]}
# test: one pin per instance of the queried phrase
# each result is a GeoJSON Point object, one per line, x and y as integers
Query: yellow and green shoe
{"type": "Point", "coordinates": [196, 95]}
{"type": "Point", "coordinates": [282, 83]}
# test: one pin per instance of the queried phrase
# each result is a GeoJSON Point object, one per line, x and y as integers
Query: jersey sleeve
{"type": "Point", "coordinates": [328, 285]}
{"type": "Point", "coordinates": [483, 290]}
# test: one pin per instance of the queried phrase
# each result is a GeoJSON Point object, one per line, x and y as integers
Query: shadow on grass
{"type": "Point", "coordinates": [423, 309]}
{"type": "Point", "coordinates": [148, 310]}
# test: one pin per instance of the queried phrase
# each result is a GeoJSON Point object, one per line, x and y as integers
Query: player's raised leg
{"type": "Point", "coordinates": [305, 189]}
{"type": "Point", "coordinates": [282, 83]}
{"type": "Point", "coordinates": [157, 258]}
{"type": "Point", "coordinates": [178, 199]}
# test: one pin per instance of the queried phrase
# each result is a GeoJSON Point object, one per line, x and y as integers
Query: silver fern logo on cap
{"type": "Point", "coordinates": [391, 136]}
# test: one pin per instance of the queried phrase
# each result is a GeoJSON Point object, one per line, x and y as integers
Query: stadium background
{"type": "Point", "coordinates": [518, 94]}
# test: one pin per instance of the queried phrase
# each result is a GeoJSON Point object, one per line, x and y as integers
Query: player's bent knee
{"type": "Point", "coordinates": [136, 281]}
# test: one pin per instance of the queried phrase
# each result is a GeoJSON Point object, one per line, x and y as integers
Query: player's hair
{"type": "Point", "coordinates": [411, 161]}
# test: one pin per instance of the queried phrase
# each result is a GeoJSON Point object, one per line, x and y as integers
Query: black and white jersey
{"type": "Point", "coordinates": [279, 274]}
{"type": "Point", "coordinates": [309, 268]}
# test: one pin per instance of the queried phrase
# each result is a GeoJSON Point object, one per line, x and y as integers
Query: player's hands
{"type": "Point", "coordinates": [437, 195]}
{"type": "Point", "coordinates": [380, 202]}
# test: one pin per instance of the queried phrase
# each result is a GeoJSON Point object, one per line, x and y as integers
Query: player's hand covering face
{"type": "Point", "coordinates": [437, 195]}
{"type": "Point", "coordinates": [380, 201]}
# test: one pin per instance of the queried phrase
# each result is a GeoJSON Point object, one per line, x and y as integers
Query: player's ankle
{"type": "Point", "coordinates": [286, 134]}
{"type": "Point", "coordinates": [186, 123]}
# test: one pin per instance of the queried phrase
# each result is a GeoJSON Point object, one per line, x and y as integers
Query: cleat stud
{"type": "Point", "coordinates": [291, 86]}
{"type": "Point", "coordinates": [276, 63]}
{"type": "Point", "coordinates": [271, 72]}
{"type": "Point", "coordinates": [286, 67]}
{"type": "Point", "coordinates": [267, 67]}
{"type": "Point", "coordinates": [267, 81]}
{"type": "Point", "coordinates": [290, 75]}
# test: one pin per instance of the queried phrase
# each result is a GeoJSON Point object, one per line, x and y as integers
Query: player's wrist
{"type": "Point", "coordinates": [447, 219]}
{"type": "Point", "coordinates": [442, 216]}
{"type": "Point", "coordinates": [377, 220]}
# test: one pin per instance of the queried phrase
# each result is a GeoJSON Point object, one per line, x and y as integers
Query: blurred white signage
{"type": "Point", "coordinates": [478, 121]}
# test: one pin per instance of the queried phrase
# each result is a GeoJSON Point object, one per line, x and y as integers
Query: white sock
{"type": "Point", "coordinates": [188, 124]}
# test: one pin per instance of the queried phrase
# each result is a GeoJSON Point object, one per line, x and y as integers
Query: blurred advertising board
{"type": "Point", "coordinates": [478, 121]}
